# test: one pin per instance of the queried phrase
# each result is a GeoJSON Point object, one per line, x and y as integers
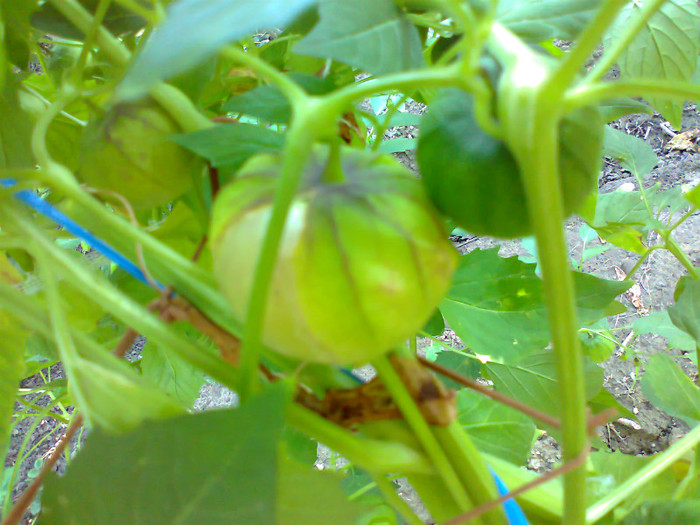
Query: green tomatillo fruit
{"type": "Point", "coordinates": [362, 264]}
{"type": "Point", "coordinates": [474, 179]}
{"type": "Point", "coordinates": [127, 151]}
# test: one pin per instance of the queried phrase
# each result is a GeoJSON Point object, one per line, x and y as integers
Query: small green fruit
{"type": "Point", "coordinates": [474, 179]}
{"type": "Point", "coordinates": [362, 263]}
{"type": "Point", "coordinates": [127, 151]}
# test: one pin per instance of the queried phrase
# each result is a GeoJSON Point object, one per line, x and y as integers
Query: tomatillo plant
{"type": "Point", "coordinates": [280, 244]}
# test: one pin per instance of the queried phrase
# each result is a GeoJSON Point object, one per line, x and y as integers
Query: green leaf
{"type": "Point", "coordinates": [614, 108]}
{"type": "Point", "coordinates": [465, 366]}
{"type": "Point", "coordinates": [230, 144]}
{"type": "Point", "coordinates": [620, 217]}
{"type": "Point", "coordinates": [685, 314]}
{"type": "Point", "coordinates": [13, 338]}
{"type": "Point", "coordinates": [533, 380]}
{"type": "Point", "coordinates": [371, 35]}
{"type": "Point", "coordinates": [610, 470]}
{"type": "Point", "coordinates": [15, 129]}
{"type": "Point", "coordinates": [118, 20]}
{"type": "Point", "coordinates": [668, 388]}
{"type": "Point", "coordinates": [194, 29]}
{"type": "Point", "coordinates": [633, 154]}
{"type": "Point", "coordinates": [694, 196]}
{"type": "Point", "coordinates": [171, 374]}
{"type": "Point", "coordinates": [269, 104]}
{"type": "Point", "coordinates": [539, 20]}
{"type": "Point", "coordinates": [670, 512]}
{"type": "Point", "coordinates": [496, 305]}
{"type": "Point", "coordinates": [666, 48]}
{"type": "Point", "coordinates": [596, 346]}
{"type": "Point", "coordinates": [157, 476]}
{"type": "Point", "coordinates": [397, 145]}
{"type": "Point", "coordinates": [307, 496]}
{"type": "Point", "coordinates": [659, 323]}
{"type": "Point", "coordinates": [496, 428]}
{"type": "Point", "coordinates": [14, 16]}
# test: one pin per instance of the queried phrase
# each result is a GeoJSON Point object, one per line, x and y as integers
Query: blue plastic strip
{"type": "Point", "coordinates": [513, 512]}
{"type": "Point", "coordinates": [46, 209]}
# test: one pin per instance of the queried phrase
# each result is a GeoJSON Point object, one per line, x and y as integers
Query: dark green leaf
{"type": "Point", "coordinates": [670, 512]}
{"type": "Point", "coordinates": [194, 29]}
{"type": "Point", "coordinates": [615, 108]}
{"type": "Point", "coordinates": [118, 20]}
{"type": "Point", "coordinates": [371, 35]}
{"type": "Point", "coordinates": [659, 323]}
{"type": "Point", "coordinates": [496, 428]}
{"type": "Point", "coordinates": [496, 304]}
{"type": "Point", "coordinates": [230, 144]}
{"type": "Point", "coordinates": [465, 366]}
{"type": "Point", "coordinates": [15, 129]}
{"type": "Point", "coordinates": [435, 325]}
{"type": "Point", "coordinates": [269, 104]}
{"type": "Point", "coordinates": [666, 47]}
{"type": "Point", "coordinates": [685, 314]}
{"type": "Point", "coordinates": [307, 496]}
{"type": "Point", "coordinates": [171, 374]}
{"type": "Point", "coordinates": [539, 20]}
{"type": "Point", "coordinates": [533, 381]}
{"type": "Point", "coordinates": [215, 467]}
{"type": "Point", "coordinates": [668, 388]}
{"type": "Point", "coordinates": [14, 16]}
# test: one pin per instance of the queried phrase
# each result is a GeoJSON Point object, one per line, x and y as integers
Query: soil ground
{"type": "Point", "coordinates": [654, 431]}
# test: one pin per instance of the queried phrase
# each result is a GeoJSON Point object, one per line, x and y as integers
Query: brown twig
{"type": "Point", "coordinates": [25, 500]}
{"type": "Point", "coordinates": [478, 511]}
{"type": "Point", "coordinates": [496, 396]}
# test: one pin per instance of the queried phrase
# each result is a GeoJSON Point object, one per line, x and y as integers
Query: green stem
{"type": "Point", "coordinates": [530, 110]}
{"type": "Point", "coordinates": [82, 19]}
{"type": "Point", "coordinates": [389, 492]}
{"type": "Point", "coordinates": [642, 259]}
{"type": "Point", "coordinates": [672, 246]}
{"type": "Point", "coordinates": [642, 477]}
{"type": "Point", "coordinates": [594, 93]}
{"type": "Point", "coordinates": [90, 35]}
{"type": "Point", "coordinates": [447, 76]}
{"type": "Point", "coordinates": [422, 431]}
{"type": "Point", "coordinates": [570, 66]}
{"type": "Point", "coordinates": [307, 124]}
{"type": "Point", "coordinates": [680, 221]}
{"type": "Point", "coordinates": [96, 286]}
{"type": "Point", "coordinates": [375, 456]}
{"type": "Point", "coordinates": [630, 30]}
{"type": "Point", "coordinates": [290, 89]}
{"type": "Point", "coordinates": [41, 128]}
{"type": "Point", "coordinates": [333, 172]}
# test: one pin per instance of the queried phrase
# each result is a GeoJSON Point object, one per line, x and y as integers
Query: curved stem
{"type": "Point", "coordinates": [300, 135]}
{"type": "Point", "coordinates": [389, 492]}
{"type": "Point", "coordinates": [571, 64]}
{"type": "Point", "coordinates": [437, 77]}
{"type": "Point", "coordinates": [77, 71]}
{"type": "Point", "coordinates": [290, 89]}
{"type": "Point", "coordinates": [672, 246]}
{"type": "Point", "coordinates": [594, 93]}
{"type": "Point", "coordinates": [630, 31]}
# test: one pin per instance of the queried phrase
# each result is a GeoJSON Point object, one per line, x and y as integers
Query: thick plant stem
{"type": "Point", "coordinates": [543, 190]}
{"type": "Point", "coordinates": [530, 110]}
{"type": "Point", "coordinates": [595, 92]}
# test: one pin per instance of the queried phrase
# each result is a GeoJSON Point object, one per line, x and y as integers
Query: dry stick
{"type": "Point", "coordinates": [25, 500]}
{"type": "Point", "coordinates": [496, 396]}
{"type": "Point", "coordinates": [478, 511]}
